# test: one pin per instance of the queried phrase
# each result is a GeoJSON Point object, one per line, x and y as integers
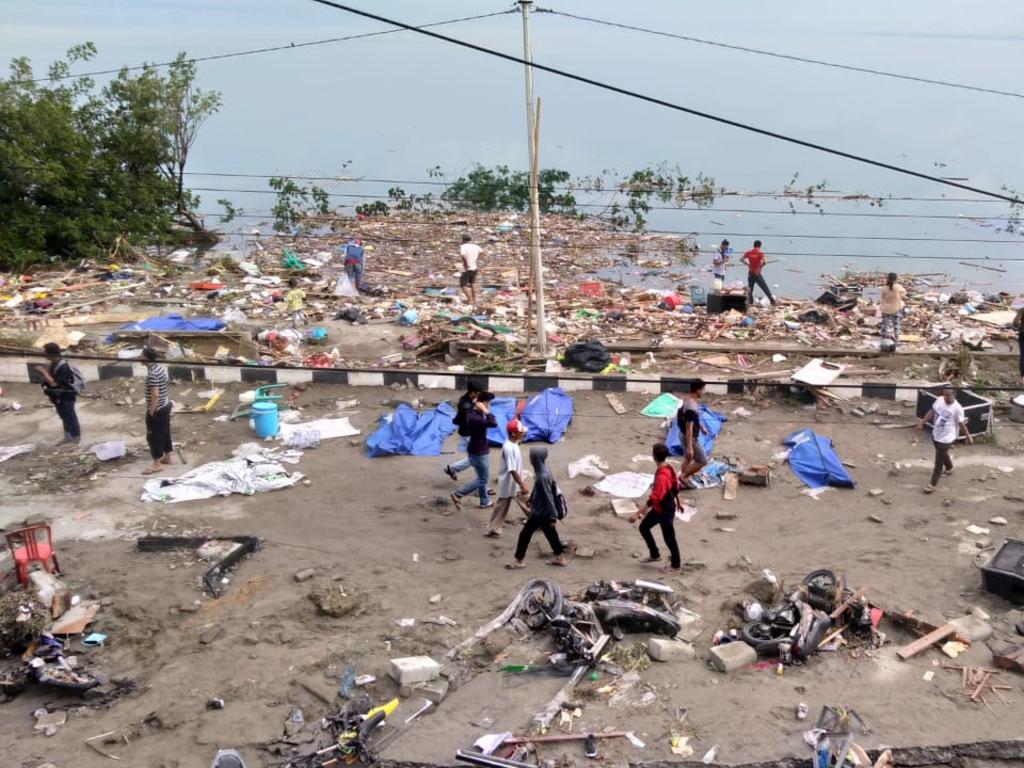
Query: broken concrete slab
{"type": "Point", "coordinates": [729, 657]}
{"type": "Point", "coordinates": [623, 508]}
{"type": "Point", "coordinates": [435, 691]}
{"type": "Point", "coordinates": [972, 628]}
{"type": "Point", "coordinates": [664, 649]}
{"type": "Point", "coordinates": [411, 670]}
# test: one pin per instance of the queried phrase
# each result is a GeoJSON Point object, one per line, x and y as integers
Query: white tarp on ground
{"type": "Point", "coordinates": [626, 485]}
{"type": "Point", "coordinates": [327, 428]}
{"type": "Point", "coordinates": [254, 471]}
{"type": "Point", "coordinates": [10, 451]}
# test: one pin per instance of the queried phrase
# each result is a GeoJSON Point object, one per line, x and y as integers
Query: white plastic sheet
{"type": "Point", "coordinates": [590, 465]}
{"type": "Point", "coordinates": [328, 428]}
{"type": "Point", "coordinates": [626, 485]}
{"type": "Point", "coordinates": [10, 451]}
{"type": "Point", "coordinates": [254, 472]}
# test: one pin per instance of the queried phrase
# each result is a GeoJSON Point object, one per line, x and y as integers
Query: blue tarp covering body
{"type": "Point", "coordinates": [408, 433]}
{"type": "Point", "coordinates": [503, 408]}
{"type": "Point", "coordinates": [547, 415]}
{"type": "Point", "coordinates": [711, 421]}
{"type": "Point", "coordinates": [173, 322]}
{"type": "Point", "coordinates": [815, 462]}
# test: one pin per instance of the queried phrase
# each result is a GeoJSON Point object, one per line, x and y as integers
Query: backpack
{"type": "Point", "coordinates": [77, 379]}
{"type": "Point", "coordinates": [561, 506]}
{"type": "Point", "coordinates": [460, 419]}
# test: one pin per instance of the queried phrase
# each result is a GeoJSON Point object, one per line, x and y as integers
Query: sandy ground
{"type": "Point", "coordinates": [383, 529]}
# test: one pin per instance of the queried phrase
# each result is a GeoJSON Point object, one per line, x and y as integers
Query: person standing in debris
{"type": "Point", "coordinates": [355, 262]}
{"type": "Point", "coordinates": [470, 253]}
{"type": "Point", "coordinates": [891, 304]}
{"type": "Point", "coordinates": [62, 384]}
{"type": "Point", "coordinates": [478, 420]}
{"type": "Point", "coordinates": [1018, 326]}
{"type": "Point", "coordinates": [510, 477]}
{"type": "Point", "coordinates": [661, 510]}
{"type": "Point", "coordinates": [295, 300]}
{"type": "Point", "coordinates": [690, 430]}
{"type": "Point", "coordinates": [158, 412]}
{"type": "Point", "coordinates": [543, 513]}
{"type": "Point", "coordinates": [720, 262]}
{"type": "Point", "coordinates": [947, 420]}
{"type": "Point", "coordinates": [754, 259]}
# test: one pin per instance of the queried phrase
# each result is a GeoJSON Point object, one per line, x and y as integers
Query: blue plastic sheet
{"type": "Point", "coordinates": [408, 433]}
{"type": "Point", "coordinates": [175, 322]}
{"type": "Point", "coordinates": [503, 408]}
{"type": "Point", "coordinates": [547, 415]}
{"type": "Point", "coordinates": [711, 421]}
{"type": "Point", "coordinates": [815, 462]}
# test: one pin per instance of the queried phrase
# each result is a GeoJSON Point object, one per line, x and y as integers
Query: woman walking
{"type": "Point", "coordinates": [661, 510]}
{"type": "Point", "coordinates": [158, 413]}
{"type": "Point", "coordinates": [891, 305]}
{"type": "Point", "coordinates": [543, 513]}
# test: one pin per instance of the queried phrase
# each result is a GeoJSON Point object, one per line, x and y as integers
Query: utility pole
{"type": "Point", "coordinates": [536, 268]}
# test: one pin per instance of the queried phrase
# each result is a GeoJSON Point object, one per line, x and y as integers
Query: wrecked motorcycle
{"type": "Point", "coordinates": [350, 728]}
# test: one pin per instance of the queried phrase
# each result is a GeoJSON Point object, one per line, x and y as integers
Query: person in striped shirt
{"type": "Point", "coordinates": [158, 412]}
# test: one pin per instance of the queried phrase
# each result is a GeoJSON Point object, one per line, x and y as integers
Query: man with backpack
{"type": "Point", "coordinates": [661, 510]}
{"type": "Point", "coordinates": [62, 383]}
{"type": "Point", "coordinates": [547, 507]}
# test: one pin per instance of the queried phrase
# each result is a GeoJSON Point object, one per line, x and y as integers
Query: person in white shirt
{"type": "Point", "coordinates": [469, 253]}
{"type": "Point", "coordinates": [510, 477]}
{"type": "Point", "coordinates": [947, 420]}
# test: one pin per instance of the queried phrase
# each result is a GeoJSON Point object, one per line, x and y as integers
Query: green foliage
{"type": "Point", "coordinates": [501, 189]}
{"type": "Point", "coordinates": [403, 201]}
{"type": "Point", "coordinates": [81, 167]}
{"type": "Point", "coordinates": [294, 202]}
{"type": "Point", "coordinates": [230, 211]}
{"type": "Point", "coordinates": [376, 208]}
{"type": "Point", "coordinates": [659, 183]}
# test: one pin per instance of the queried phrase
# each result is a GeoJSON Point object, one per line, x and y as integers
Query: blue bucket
{"type": "Point", "coordinates": [264, 418]}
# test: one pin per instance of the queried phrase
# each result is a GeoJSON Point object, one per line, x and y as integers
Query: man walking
{"type": "Point", "coordinates": [477, 422]}
{"type": "Point", "coordinates": [543, 513]}
{"type": "Point", "coordinates": [469, 252]}
{"type": "Point", "coordinates": [690, 430]}
{"type": "Point", "coordinates": [754, 259]}
{"type": "Point", "coordinates": [510, 477]}
{"type": "Point", "coordinates": [62, 385]}
{"type": "Point", "coordinates": [947, 420]}
{"type": "Point", "coordinates": [158, 412]}
{"type": "Point", "coordinates": [355, 262]}
{"type": "Point", "coordinates": [661, 510]}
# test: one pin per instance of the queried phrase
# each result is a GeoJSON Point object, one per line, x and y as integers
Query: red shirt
{"type": "Point", "coordinates": [665, 482]}
{"type": "Point", "coordinates": [755, 260]}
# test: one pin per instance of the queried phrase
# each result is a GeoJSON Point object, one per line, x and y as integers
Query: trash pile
{"type": "Point", "coordinates": [242, 306]}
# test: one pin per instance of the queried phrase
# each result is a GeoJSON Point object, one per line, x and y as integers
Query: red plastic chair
{"type": "Point", "coordinates": [33, 544]}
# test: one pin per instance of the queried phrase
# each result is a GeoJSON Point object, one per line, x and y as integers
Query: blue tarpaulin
{"type": "Point", "coordinates": [547, 415]}
{"type": "Point", "coordinates": [815, 462]}
{"type": "Point", "coordinates": [408, 433]}
{"type": "Point", "coordinates": [503, 408]}
{"type": "Point", "coordinates": [174, 322]}
{"type": "Point", "coordinates": [711, 421]}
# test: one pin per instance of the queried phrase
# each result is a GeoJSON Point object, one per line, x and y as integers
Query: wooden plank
{"type": "Point", "coordinates": [615, 403]}
{"type": "Point", "coordinates": [732, 486]}
{"type": "Point", "coordinates": [923, 643]}
{"type": "Point", "coordinates": [852, 599]}
{"type": "Point", "coordinates": [981, 686]}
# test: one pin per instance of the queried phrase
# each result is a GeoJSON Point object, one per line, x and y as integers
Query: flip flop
{"type": "Point", "coordinates": [493, 534]}
{"type": "Point", "coordinates": [670, 569]}
{"type": "Point", "coordinates": [557, 563]}
{"type": "Point", "coordinates": [648, 560]}
{"type": "Point", "coordinates": [456, 500]}
{"type": "Point", "coordinates": [514, 566]}
{"type": "Point", "coordinates": [151, 470]}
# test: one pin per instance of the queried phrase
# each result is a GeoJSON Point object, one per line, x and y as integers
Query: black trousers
{"type": "Point", "coordinates": [759, 280]}
{"type": "Point", "coordinates": [158, 432]}
{"type": "Point", "coordinates": [668, 531]}
{"type": "Point", "coordinates": [942, 461]}
{"type": "Point", "coordinates": [544, 526]}
{"type": "Point", "coordinates": [66, 411]}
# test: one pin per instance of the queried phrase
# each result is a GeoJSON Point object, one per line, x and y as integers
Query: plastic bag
{"type": "Point", "coordinates": [233, 315]}
{"type": "Point", "coordinates": [304, 438]}
{"type": "Point", "coordinates": [344, 287]}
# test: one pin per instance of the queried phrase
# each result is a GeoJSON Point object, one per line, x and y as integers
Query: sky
{"type": "Point", "coordinates": [395, 105]}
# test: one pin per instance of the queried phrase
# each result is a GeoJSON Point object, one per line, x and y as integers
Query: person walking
{"type": "Point", "coordinates": [510, 477]}
{"type": "Point", "coordinates": [158, 412]}
{"type": "Point", "coordinates": [62, 385]}
{"type": "Point", "coordinates": [660, 510]}
{"type": "Point", "coordinates": [891, 304]}
{"type": "Point", "coordinates": [543, 513]}
{"type": "Point", "coordinates": [1018, 326]}
{"type": "Point", "coordinates": [690, 430]}
{"type": "Point", "coordinates": [295, 300]}
{"type": "Point", "coordinates": [719, 263]}
{"type": "Point", "coordinates": [469, 253]}
{"type": "Point", "coordinates": [462, 409]}
{"type": "Point", "coordinates": [754, 259]}
{"type": "Point", "coordinates": [947, 420]}
{"type": "Point", "coordinates": [477, 421]}
{"type": "Point", "coordinates": [355, 262]}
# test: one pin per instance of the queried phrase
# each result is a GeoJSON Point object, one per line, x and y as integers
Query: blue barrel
{"type": "Point", "coordinates": [264, 418]}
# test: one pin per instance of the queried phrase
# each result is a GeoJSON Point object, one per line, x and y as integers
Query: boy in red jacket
{"type": "Point", "coordinates": [661, 510]}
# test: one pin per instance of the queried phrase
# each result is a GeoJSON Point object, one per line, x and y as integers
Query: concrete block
{"type": "Point", "coordinates": [729, 657]}
{"type": "Point", "coordinates": [623, 508]}
{"type": "Point", "coordinates": [664, 649]}
{"type": "Point", "coordinates": [414, 669]}
{"type": "Point", "coordinates": [972, 628]}
{"type": "Point", "coordinates": [435, 691]}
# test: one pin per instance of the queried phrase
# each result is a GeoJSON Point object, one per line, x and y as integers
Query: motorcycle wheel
{"type": "Point", "coordinates": [761, 637]}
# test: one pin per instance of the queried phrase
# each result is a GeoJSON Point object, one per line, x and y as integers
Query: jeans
{"type": "Point", "coordinates": [942, 461]}
{"type": "Point", "coordinates": [547, 527]}
{"type": "Point", "coordinates": [66, 411]}
{"type": "Point", "coordinates": [355, 274]}
{"type": "Point", "coordinates": [668, 531]}
{"type": "Point", "coordinates": [759, 280]}
{"type": "Point", "coordinates": [481, 463]}
{"type": "Point", "coordinates": [894, 321]}
{"type": "Point", "coordinates": [158, 432]}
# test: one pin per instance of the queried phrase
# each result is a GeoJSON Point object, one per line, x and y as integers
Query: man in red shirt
{"type": "Point", "coordinates": [661, 510]}
{"type": "Point", "coordinates": [754, 259]}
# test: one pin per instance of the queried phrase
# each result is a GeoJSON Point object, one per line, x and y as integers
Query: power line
{"type": "Point", "coordinates": [670, 105]}
{"type": "Point", "coordinates": [789, 57]}
{"type": "Point", "coordinates": [252, 51]}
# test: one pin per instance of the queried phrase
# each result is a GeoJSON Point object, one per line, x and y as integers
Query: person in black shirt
{"type": "Point", "coordinates": [59, 386]}
{"type": "Point", "coordinates": [462, 410]}
{"type": "Point", "coordinates": [478, 449]}
{"type": "Point", "coordinates": [543, 513]}
{"type": "Point", "coordinates": [690, 430]}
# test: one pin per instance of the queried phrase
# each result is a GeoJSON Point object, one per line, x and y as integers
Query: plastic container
{"type": "Point", "coordinates": [264, 418]}
{"type": "Point", "coordinates": [698, 295]}
{"type": "Point", "coordinates": [718, 284]}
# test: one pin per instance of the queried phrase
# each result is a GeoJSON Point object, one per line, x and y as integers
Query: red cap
{"type": "Point", "coordinates": [516, 426]}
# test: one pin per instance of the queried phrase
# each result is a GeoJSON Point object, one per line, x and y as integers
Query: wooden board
{"type": "Point", "coordinates": [732, 486]}
{"type": "Point", "coordinates": [615, 403]}
{"type": "Point", "coordinates": [923, 643]}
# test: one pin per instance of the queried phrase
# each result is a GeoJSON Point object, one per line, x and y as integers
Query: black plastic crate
{"type": "Point", "coordinates": [1004, 573]}
{"type": "Point", "coordinates": [977, 410]}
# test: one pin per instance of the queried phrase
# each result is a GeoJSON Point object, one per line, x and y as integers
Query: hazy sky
{"type": "Point", "coordinates": [398, 104]}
